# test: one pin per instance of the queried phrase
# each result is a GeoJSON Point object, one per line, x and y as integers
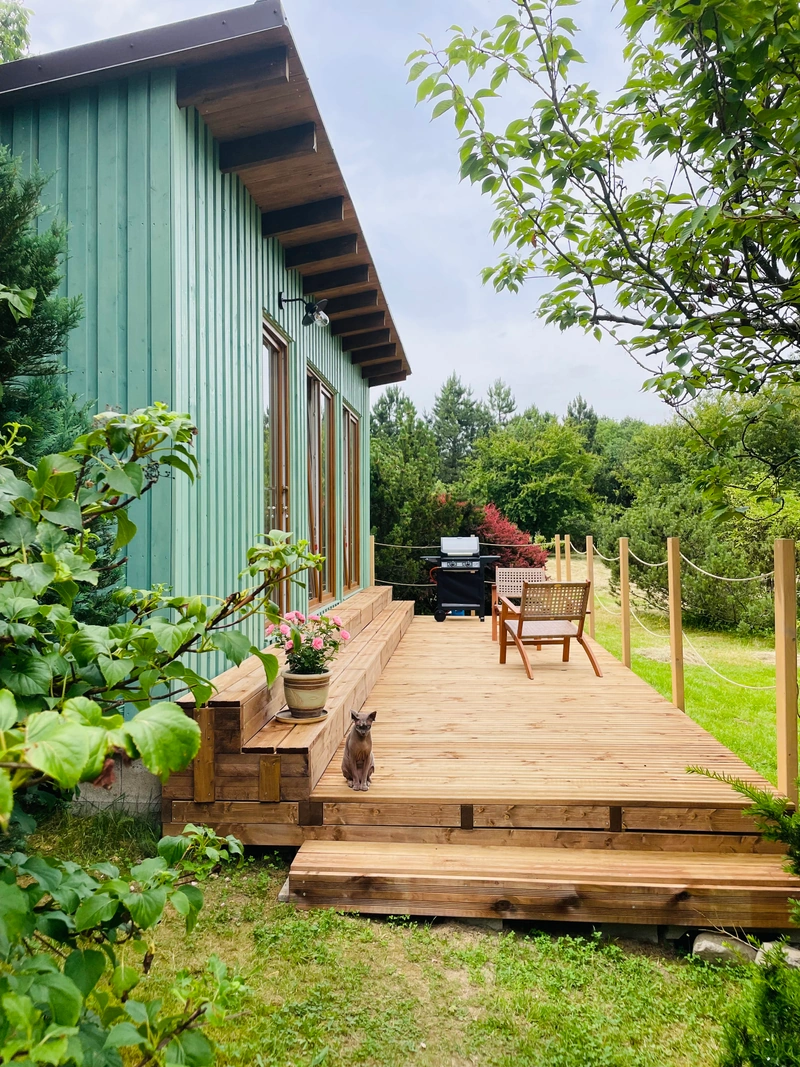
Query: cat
{"type": "Point", "coordinates": [358, 762]}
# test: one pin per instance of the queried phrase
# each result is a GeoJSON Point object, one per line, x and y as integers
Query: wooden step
{"type": "Point", "coordinates": [546, 884]}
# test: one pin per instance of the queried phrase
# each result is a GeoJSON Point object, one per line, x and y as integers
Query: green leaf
{"type": "Point", "coordinates": [173, 849]}
{"type": "Point", "coordinates": [18, 530]}
{"type": "Point", "coordinates": [16, 917]}
{"type": "Point", "coordinates": [119, 481]}
{"type": "Point", "coordinates": [60, 994]}
{"type": "Point", "coordinates": [441, 108]}
{"type": "Point", "coordinates": [65, 513]}
{"type": "Point", "coordinates": [123, 979]}
{"type": "Point", "coordinates": [96, 910]}
{"type": "Point", "coordinates": [8, 709]}
{"type": "Point", "coordinates": [124, 1034]}
{"type": "Point", "coordinates": [6, 798]}
{"type": "Point", "coordinates": [146, 907]}
{"type": "Point", "coordinates": [271, 665]}
{"type": "Point", "coordinates": [234, 644]}
{"type": "Point", "coordinates": [85, 968]}
{"type": "Point", "coordinates": [37, 575]}
{"type": "Point", "coordinates": [166, 739]}
{"type": "Point", "coordinates": [126, 530]}
{"type": "Point", "coordinates": [26, 674]}
{"type": "Point", "coordinates": [114, 670]}
{"type": "Point", "coordinates": [58, 748]}
{"type": "Point", "coordinates": [191, 1049]}
{"type": "Point", "coordinates": [168, 634]}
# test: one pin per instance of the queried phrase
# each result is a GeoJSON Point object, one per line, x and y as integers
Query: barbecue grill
{"type": "Point", "coordinates": [459, 576]}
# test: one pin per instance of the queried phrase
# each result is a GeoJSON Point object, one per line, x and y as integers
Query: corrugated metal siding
{"type": "Point", "coordinates": [168, 255]}
{"type": "Point", "coordinates": [107, 150]}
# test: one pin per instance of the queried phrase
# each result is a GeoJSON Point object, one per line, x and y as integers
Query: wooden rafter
{"type": "Point", "coordinates": [267, 147]}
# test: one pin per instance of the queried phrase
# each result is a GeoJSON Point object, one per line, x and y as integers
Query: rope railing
{"type": "Point", "coordinates": [644, 562]}
{"type": "Point", "coordinates": [731, 681]}
{"type": "Point", "coordinates": [722, 578]}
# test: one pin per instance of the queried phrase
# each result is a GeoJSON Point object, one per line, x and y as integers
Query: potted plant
{"type": "Point", "coordinates": [310, 644]}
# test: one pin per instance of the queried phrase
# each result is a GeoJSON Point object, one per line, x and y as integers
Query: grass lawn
{"type": "Point", "coordinates": [339, 990]}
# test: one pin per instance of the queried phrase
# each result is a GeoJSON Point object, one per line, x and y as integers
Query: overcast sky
{"type": "Point", "coordinates": [428, 233]}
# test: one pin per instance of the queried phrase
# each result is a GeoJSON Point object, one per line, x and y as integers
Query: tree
{"type": "Point", "coordinates": [30, 345]}
{"type": "Point", "coordinates": [391, 412]}
{"type": "Point", "coordinates": [500, 402]}
{"type": "Point", "coordinates": [696, 271]}
{"type": "Point", "coordinates": [538, 473]}
{"type": "Point", "coordinates": [69, 937]}
{"type": "Point", "coordinates": [457, 420]}
{"type": "Point", "coordinates": [14, 36]}
{"type": "Point", "coordinates": [584, 418]}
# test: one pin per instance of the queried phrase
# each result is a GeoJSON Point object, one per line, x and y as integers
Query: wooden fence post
{"type": "Point", "coordinates": [624, 601]}
{"type": "Point", "coordinates": [675, 621]}
{"type": "Point", "coordinates": [568, 557]}
{"type": "Point", "coordinates": [590, 576]}
{"type": "Point", "coordinates": [558, 557]}
{"type": "Point", "coordinates": [786, 665]}
{"type": "Point", "coordinates": [371, 560]}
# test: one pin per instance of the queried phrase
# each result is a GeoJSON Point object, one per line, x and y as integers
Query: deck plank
{"type": "Point", "coordinates": [454, 726]}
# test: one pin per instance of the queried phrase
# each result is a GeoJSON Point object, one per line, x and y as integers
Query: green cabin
{"type": "Point", "coordinates": [207, 216]}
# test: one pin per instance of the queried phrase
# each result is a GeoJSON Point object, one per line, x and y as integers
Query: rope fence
{"type": "Point", "coordinates": [722, 578]}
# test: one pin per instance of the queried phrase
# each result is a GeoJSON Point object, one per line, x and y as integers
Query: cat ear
{"type": "Point", "coordinates": [371, 716]}
{"type": "Point", "coordinates": [354, 716]}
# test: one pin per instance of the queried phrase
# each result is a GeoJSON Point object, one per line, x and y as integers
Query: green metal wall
{"type": "Point", "coordinates": [168, 255]}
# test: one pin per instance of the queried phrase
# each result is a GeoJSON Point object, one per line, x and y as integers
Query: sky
{"type": "Point", "coordinates": [428, 233]}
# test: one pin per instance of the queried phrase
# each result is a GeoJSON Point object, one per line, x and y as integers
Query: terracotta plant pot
{"type": "Point", "coordinates": [306, 693]}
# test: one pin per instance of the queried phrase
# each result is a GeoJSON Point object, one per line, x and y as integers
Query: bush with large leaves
{"type": "Point", "coordinates": [69, 937]}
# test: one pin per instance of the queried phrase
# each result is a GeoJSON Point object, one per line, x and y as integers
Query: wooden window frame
{"type": "Point", "coordinates": [275, 363]}
{"type": "Point", "coordinates": [351, 504]}
{"type": "Point", "coordinates": [322, 585]}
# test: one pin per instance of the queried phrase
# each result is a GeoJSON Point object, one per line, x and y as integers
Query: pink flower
{"type": "Point", "coordinates": [337, 621]}
{"type": "Point", "coordinates": [299, 616]}
{"type": "Point", "coordinates": [313, 618]}
{"type": "Point", "coordinates": [317, 644]}
{"type": "Point", "coordinates": [345, 636]}
{"type": "Point", "coordinates": [285, 629]}
{"type": "Point", "coordinates": [289, 646]}
{"type": "Point", "coordinates": [290, 616]}
{"type": "Point", "coordinates": [270, 628]}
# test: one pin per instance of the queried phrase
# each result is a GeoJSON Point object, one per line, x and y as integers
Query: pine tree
{"type": "Point", "coordinates": [457, 421]}
{"type": "Point", "coordinates": [584, 418]}
{"type": "Point", "coordinates": [500, 402]}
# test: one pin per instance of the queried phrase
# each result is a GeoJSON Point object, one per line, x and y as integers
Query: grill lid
{"type": "Point", "coordinates": [460, 546]}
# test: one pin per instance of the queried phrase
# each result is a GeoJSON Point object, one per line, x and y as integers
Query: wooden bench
{"type": "Point", "coordinates": [254, 775]}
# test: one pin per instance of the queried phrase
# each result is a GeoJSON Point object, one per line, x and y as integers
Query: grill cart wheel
{"type": "Point", "coordinates": [440, 615]}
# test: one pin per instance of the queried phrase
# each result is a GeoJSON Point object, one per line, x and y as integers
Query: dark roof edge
{"type": "Point", "coordinates": [173, 45]}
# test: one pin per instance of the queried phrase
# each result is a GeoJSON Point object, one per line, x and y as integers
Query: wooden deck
{"type": "Point", "coordinates": [565, 797]}
{"type": "Point", "coordinates": [454, 727]}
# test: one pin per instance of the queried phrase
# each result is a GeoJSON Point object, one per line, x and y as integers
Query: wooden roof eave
{"type": "Point", "coordinates": [283, 186]}
{"type": "Point", "coordinates": [240, 69]}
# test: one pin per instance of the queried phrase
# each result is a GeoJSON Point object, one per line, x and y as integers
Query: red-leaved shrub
{"type": "Point", "coordinates": [496, 529]}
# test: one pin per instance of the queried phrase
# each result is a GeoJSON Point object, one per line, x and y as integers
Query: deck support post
{"type": "Point", "coordinates": [371, 559]}
{"type": "Point", "coordinates": [624, 601]}
{"type": "Point", "coordinates": [557, 541]}
{"type": "Point", "coordinates": [568, 557]}
{"type": "Point", "coordinates": [786, 665]}
{"type": "Point", "coordinates": [590, 578]}
{"type": "Point", "coordinates": [675, 621]}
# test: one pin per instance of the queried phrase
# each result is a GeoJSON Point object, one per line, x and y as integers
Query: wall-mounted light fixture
{"type": "Point", "coordinates": [315, 311]}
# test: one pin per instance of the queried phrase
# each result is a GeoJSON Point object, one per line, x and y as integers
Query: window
{"type": "Point", "coordinates": [351, 504]}
{"type": "Point", "coordinates": [321, 489]}
{"type": "Point", "coordinates": [275, 377]}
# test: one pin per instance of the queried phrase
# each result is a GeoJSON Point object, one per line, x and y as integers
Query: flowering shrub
{"type": "Point", "coordinates": [310, 643]}
{"type": "Point", "coordinates": [496, 529]}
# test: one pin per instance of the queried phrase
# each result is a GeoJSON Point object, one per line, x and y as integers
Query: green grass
{"type": "Point", "coordinates": [341, 990]}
